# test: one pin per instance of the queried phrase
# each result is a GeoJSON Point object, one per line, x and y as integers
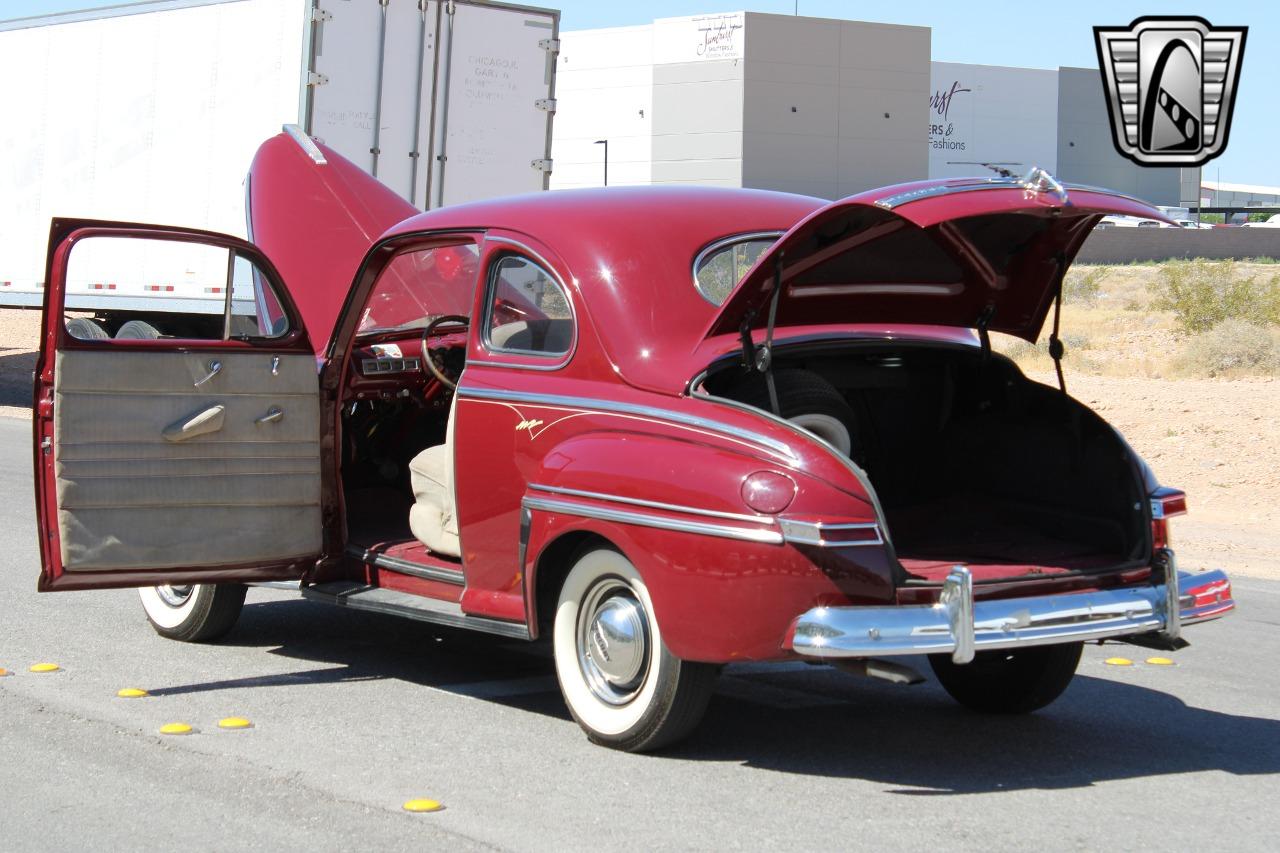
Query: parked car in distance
{"type": "Point", "coordinates": [1271, 222]}
{"type": "Point", "coordinates": [1123, 221]}
{"type": "Point", "coordinates": [662, 429]}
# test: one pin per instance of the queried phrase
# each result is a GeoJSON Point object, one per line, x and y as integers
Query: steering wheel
{"type": "Point", "coordinates": [428, 359]}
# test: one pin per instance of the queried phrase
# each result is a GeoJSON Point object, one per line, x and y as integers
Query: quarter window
{"type": "Point", "coordinates": [719, 268]}
{"type": "Point", "coordinates": [528, 310]}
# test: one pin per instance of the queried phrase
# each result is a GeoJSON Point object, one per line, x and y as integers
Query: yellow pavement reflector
{"type": "Point", "coordinates": [234, 723]}
{"type": "Point", "coordinates": [131, 693]}
{"type": "Point", "coordinates": [423, 806]}
{"type": "Point", "coordinates": [175, 729]}
{"type": "Point", "coordinates": [4, 672]}
{"type": "Point", "coordinates": [1161, 662]}
{"type": "Point", "coordinates": [45, 667]}
{"type": "Point", "coordinates": [1118, 662]}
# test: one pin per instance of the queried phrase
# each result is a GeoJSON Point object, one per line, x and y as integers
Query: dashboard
{"type": "Point", "coordinates": [390, 365]}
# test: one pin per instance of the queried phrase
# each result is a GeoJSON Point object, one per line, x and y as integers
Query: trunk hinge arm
{"type": "Point", "coordinates": [1056, 348]}
{"type": "Point", "coordinates": [760, 359]}
{"type": "Point", "coordinates": [983, 321]}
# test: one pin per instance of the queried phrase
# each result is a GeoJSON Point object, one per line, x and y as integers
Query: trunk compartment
{"type": "Point", "coordinates": [972, 462]}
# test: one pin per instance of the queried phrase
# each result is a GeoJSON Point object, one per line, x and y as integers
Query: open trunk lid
{"type": "Point", "coordinates": [315, 214]}
{"type": "Point", "coordinates": [972, 253]}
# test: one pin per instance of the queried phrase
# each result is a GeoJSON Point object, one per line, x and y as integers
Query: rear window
{"type": "Point", "coordinates": [720, 266]}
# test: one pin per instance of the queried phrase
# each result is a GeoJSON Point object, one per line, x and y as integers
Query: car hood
{"type": "Point", "coordinates": [315, 214]}
{"type": "Point", "coordinates": [970, 253]}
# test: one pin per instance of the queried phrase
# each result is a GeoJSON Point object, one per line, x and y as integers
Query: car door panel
{"type": "Point", "coordinates": [129, 497]}
{"type": "Point", "coordinates": [176, 460]}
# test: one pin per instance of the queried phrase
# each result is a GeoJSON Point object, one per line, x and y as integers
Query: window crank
{"type": "Point", "coordinates": [215, 367]}
{"type": "Point", "coordinates": [273, 414]}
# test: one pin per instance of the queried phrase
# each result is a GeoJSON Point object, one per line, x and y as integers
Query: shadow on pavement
{"type": "Point", "coordinates": [913, 739]}
{"type": "Point", "coordinates": [15, 377]}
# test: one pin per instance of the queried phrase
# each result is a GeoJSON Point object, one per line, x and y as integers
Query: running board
{"type": "Point", "coordinates": [363, 597]}
{"type": "Point", "coordinates": [405, 567]}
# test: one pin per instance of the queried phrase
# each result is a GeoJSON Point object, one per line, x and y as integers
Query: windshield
{"type": "Point", "coordinates": [418, 286]}
{"type": "Point", "coordinates": [719, 267]}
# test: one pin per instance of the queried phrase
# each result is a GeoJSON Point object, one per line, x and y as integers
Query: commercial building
{"type": "Point", "coordinates": [822, 107]}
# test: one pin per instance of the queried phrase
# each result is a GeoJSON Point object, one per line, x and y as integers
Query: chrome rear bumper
{"type": "Point", "coordinates": [959, 626]}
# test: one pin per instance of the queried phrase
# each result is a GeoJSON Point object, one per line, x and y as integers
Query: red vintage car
{"type": "Point", "coordinates": [664, 429]}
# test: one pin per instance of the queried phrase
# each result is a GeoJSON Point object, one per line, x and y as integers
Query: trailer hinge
{"type": "Point", "coordinates": [548, 104]}
{"type": "Point", "coordinates": [549, 45]}
{"type": "Point", "coordinates": [449, 8]}
{"type": "Point", "coordinates": [316, 79]}
{"type": "Point", "coordinates": [319, 16]}
{"type": "Point", "coordinates": [542, 165]}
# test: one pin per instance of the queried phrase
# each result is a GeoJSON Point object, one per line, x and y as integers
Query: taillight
{"type": "Point", "coordinates": [1165, 504]}
{"type": "Point", "coordinates": [768, 491]}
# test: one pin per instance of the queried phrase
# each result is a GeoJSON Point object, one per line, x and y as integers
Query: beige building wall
{"type": "Point", "coordinates": [832, 107]}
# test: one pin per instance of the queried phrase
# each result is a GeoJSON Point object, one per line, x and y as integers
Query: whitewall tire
{"type": "Point", "coordinates": [622, 685]}
{"type": "Point", "coordinates": [195, 613]}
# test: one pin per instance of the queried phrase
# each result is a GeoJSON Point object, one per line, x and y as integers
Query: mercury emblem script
{"type": "Point", "coordinates": [1171, 84]}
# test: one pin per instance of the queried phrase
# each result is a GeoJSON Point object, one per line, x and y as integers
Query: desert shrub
{"type": "Point", "coordinates": [1082, 285]}
{"type": "Point", "coordinates": [1020, 350]}
{"type": "Point", "coordinates": [1232, 346]}
{"type": "Point", "coordinates": [1201, 294]}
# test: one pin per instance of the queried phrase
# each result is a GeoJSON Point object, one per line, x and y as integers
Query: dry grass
{"type": "Point", "coordinates": [1121, 323]}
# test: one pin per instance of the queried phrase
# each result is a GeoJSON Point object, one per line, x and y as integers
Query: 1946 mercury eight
{"type": "Point", "coordinates": [695, 426]}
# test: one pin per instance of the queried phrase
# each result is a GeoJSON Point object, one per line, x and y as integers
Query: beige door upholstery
{"type": "Point", "coordinates": [153, 472]}
{"type": "Point", "coordinates": [433, 518]}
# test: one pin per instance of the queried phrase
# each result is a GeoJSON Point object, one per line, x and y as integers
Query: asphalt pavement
{"type": "Point", "coordinates": [353, 714]}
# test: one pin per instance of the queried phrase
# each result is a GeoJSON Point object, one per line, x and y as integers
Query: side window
{"type": "Point", "coordinates": [126, 287]}
{"type": "Point", "coordinates": [528, 311]}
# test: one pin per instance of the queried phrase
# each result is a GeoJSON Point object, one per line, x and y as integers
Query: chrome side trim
{"type": "Point", "coordinates": [622, 516]}
{"type": "Point", "coordinates": [810, 533]}
{"type": "Point", "coordinates": [731, 240]}
{"type": "Point", "coordinates": [306, 143]}
{"type": "Point", "coordinates": [689, 510]}
{"type": "Point", "coordinates": [961, 627]}
{"type": "Point", "coordinates": [610, 407]}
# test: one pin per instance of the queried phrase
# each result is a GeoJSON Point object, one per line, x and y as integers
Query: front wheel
{"type": "Point", "coordinates": [1009, 681]}
{"type": "Point", "coordinates": [621, 684]}
{"type": "Point", "coordinates": [196, 613]}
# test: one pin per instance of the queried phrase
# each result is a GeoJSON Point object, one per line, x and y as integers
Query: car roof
{"type": "Point", "coordinates": [629, 252]}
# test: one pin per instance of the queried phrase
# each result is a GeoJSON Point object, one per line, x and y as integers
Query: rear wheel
{"type": "Point", "coordinates": [195, 613]}
{"type": "Point", "coordinates": [622, 685]}
{"type": "Point", "coordinates": [1009, 681]}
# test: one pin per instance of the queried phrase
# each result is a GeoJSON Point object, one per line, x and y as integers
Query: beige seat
{"type": "Point", "coordinates": [432, 517]}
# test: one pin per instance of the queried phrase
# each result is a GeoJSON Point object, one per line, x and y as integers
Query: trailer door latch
{"type": "Point", "coordinates": [542, 165]}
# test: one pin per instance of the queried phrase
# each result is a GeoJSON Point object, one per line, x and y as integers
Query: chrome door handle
{"type": "Point", "coordinates": [273, 414]}
{"type": "Point", "coordinates": [215, 367]}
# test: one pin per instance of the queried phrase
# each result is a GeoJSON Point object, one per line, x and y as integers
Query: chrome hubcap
{"type": "Point", "coordinates": [175, 596]}
{"type": "Point", "coordinates": [613, 642]}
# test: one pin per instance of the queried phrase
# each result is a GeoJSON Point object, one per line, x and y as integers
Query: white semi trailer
{"type": "Point", "coordinates": [152, 113]}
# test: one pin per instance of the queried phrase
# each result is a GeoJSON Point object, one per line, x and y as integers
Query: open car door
{"type": "Point", "coordinates": [178, 460]}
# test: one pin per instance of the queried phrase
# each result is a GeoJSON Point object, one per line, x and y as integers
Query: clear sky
{"type": "Point", "coordinates": [1033, 34]}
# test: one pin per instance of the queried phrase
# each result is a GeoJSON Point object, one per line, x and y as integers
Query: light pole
{"type": "Point", "coordinates": [605, 143]}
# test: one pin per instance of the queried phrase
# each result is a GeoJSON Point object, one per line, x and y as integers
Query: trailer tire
{"type": "Point", "coordinates": [86, 329]}
{"type": "Point", "coordinates": [137, 330]}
